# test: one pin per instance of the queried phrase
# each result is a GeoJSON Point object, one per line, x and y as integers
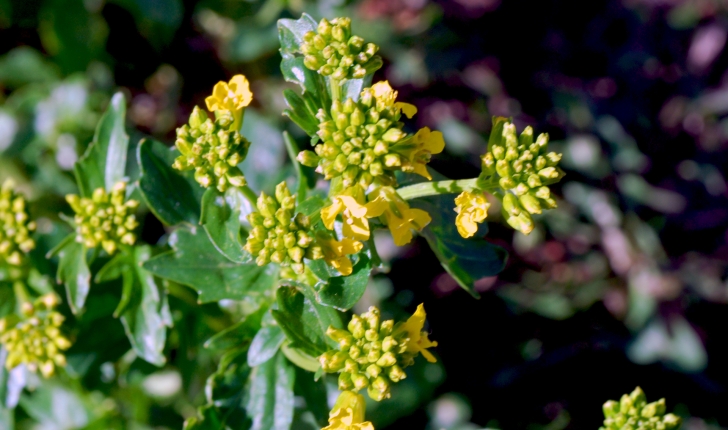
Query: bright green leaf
{"type": "Point", "coordinates": [74, 273]}
{"type": "Point", "coordinates": [265, 345]}
{"type": "Point", "coordinates": [104, 162]}
{"type": "Point", "coordinates": [270, 395]}
{"type": "Point", "coordinates": [221, 220]}
{"type": "Point", "coordinates": [173, 196]}
{"type": "Point", "coordinates": [343, 292]}
{"type": "Point", "coordinates": [194, 261]}
{"type": "Point", "coordinates": [238, 335]}
{"type": "Point", "coordinates": [144, 320]}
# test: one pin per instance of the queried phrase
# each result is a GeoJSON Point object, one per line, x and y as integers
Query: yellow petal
{"type": "Point", "coordinates": [376, 207]}
{"type": "Point", "coordinates": [220, 90]}
{"type": "Point", "coordinates": [350, 246]}
{"type": "Point", "coordinates": [354, 208]}
{"type": "Point", "coordinates": [466, 227]}
{"type": "Point", "coordinates": [406, 108]}
{"type": "Point", "coordinates": [431, 141]}
{"type": "Point", "coordinates": [418, 218]}
{"type": "Point", "coordinates": [328, 214]}
{"type": "Point", "coordinates": [343, 265]}
{"type": "Point", "coordinates": [211, 102]}
{"type": "Point", "coordinates": [356, 228]}
{"type": "Point", "coordinates": [421, 170]}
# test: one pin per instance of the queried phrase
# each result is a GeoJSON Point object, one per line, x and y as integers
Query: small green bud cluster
{"type": "Point", "coordinates": [35, 340]}
{"type": "Point", "coordinates": [15, 226]}
{"type": "Point", "coordinates": [213, 149]}
{"type": "Point", "coordinates": [280, 235]}
{"type": "Point", "coordinates": [633, 412]}
{"type": "Point", "coordinates": [371, 354]}
{"type": "Point", "coordinates": [523, 169]}
{"type": "Point", "coordinates": [332, 51]}
{"type": "Point", "coordinates": [105, 219]}
{"type": "Point", "coordinates": [360, 140]}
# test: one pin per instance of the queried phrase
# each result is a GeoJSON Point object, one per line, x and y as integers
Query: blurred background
{"type": "Point", "coordinates": [623, 285]}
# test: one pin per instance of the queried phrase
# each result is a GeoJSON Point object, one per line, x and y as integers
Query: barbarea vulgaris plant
{"type": "Point", "coordinates": [297, 257]}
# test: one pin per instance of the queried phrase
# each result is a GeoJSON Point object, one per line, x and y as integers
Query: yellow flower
{"type": "Point", "coordinates": [472, 209]}
{"type": "Point", "coordinates": [348, 413]}
{"type": "Point", "coordinates": [418, 339]}
{"type": "Point", "coordinates": [335, 252]}
{"type": "Point", "coordinates": [399, 217]}
{"type": "Point", "coordinates": [386, 96]}
{"type": "Point", "coordinates": [233, 96]}
{"type": "Point", "coordinates": [424, 143]}
{"type": "Point", "coordinates": [354, 213]}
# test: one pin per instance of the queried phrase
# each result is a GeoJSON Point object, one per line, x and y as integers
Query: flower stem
{"type": "Point", "coordinates": [335, 89]}
{"type": "Point", "coordinates": [250, 195]}
{"type": "Point", "coordinates": [424, 189]}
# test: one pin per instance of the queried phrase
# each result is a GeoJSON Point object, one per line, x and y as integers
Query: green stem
{"type": "Point", "coordinates": [21, 292]}
{"type": "Point", "coordinates": [335, 89]}
{"type": "Point", "coordinates": [250, 195]}
{"type": "Point", "coordinates": [424, 189]}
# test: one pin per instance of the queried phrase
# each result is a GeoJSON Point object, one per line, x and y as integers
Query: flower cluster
{"type": "Point", "coordinates": [472, 209]}
{"type": "Point", "coordinates": [279, 234]}
{"type": "Point", "coordinates": [523, 169]}
{"type": "Point", "coordinates": [348, 413]}
{"type": "Point", "coordinates": [15, 225]}
{"type": "Point", "coordinates": [632, 412]}
{"type": "Point", "coordinates": [363, 141]}
{"type": "Point", "coordinates": [212, 148]}
{"type": "Point", "coordinates": [332, 51]}
{"type": "Point", "coordinates": [106, 219]}
{"type": "Point", "coordinates": [373, 353]}
{"type": "Point", "coordinates": [36, 339]}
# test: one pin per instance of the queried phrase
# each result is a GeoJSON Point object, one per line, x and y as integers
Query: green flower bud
{"type": "Point", "coordinates": [15, 226]}
{"type": "Point", "coordinates": [633, 412]}
{"type": "Point", "coordinates": [376, 352]}
{"type": "Point", "coordinates": [280, 235]}
{"type": "Point", "coordinates": [332, 51]}
{"type": "Point", "coordinates": [213, 149]}
{"type": "Point", "coordinates": [35, 339]}
{"type": "Point", "coordinates": [106, 219]}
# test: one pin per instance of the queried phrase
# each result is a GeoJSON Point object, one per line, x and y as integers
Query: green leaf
{"type": "Point", "coordinates": [194, 261]}
{"type": "Point", "coordinates": [104, 162]}
{"type": "Point", "coordinates": [343, 292]}
{"type": "Point", "coordinates": [74, 273]}
{"type": "Point", "coordinates": [299, 113]}
{"type": "Point", "coordinates": [238, 335]}
{"type": "Point", "coordinates": [291, 32]}
{"type": "Point", "coordinates": [300, 358]}
{"type": "Point", "coordinates": [314, 392]}
{"type": "Point", "coordinates": [304, 321]}
{"type": "Point", "coordinates": [221, 218]}
{"type": "Point", "coordinates": [466, 260]}
{"type": "Point", "coordinates": [173, 196]}
{"type": "Point", "coordinates": [265, 345]}
{"type": "Point", "coordinates": [270, 395]}
{"type": "Point", "coordinates": [144, 319]}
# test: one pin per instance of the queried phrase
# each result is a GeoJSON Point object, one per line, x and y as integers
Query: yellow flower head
{"type": "Point", "coordinates": [233, 96]}
{"type": "Point", "coordinates": [418, 339]}
{"type": "Point", "coordinates": [399, 217]}
{"type": "Point", "coordinates": [472, 209]}
{"type": "Point", "coordinates": [335, 252]}
{"type": "Point", "coordinates": [348, 413]}
{"type": "Point", "coordinates": [386, 96]}
{"type": "Point", "coordinates": [419, 149]}
{"type": "Point", "coordinates": [354, 213]}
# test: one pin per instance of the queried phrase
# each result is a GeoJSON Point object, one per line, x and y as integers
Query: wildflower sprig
{"type": "Point", "coordinates": [278, 234]}
{"type": "Point", "coordinates": [632, 412]}
{"type": "Point", "coordinates": [372, 354]}
{"type": "Point", "coordinates": [15, 226]}
{"type": "Point", "coordinates": [106, 219]}
{"type": "Point", "coordinates": [363, 141]}
{"type": "Point", "coordinates": [333, 51]}
{"type": "Point", "coordinates": [213, 149]}
{"type": "Point", "coordinates": [35, 338]}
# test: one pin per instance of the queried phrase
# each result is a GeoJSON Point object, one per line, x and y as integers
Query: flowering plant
{"type": "Point", "coordinates": [297, 258]}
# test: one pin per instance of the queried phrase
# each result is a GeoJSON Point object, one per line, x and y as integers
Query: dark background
{"type": "Point", "coordinates": [637, 85]}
